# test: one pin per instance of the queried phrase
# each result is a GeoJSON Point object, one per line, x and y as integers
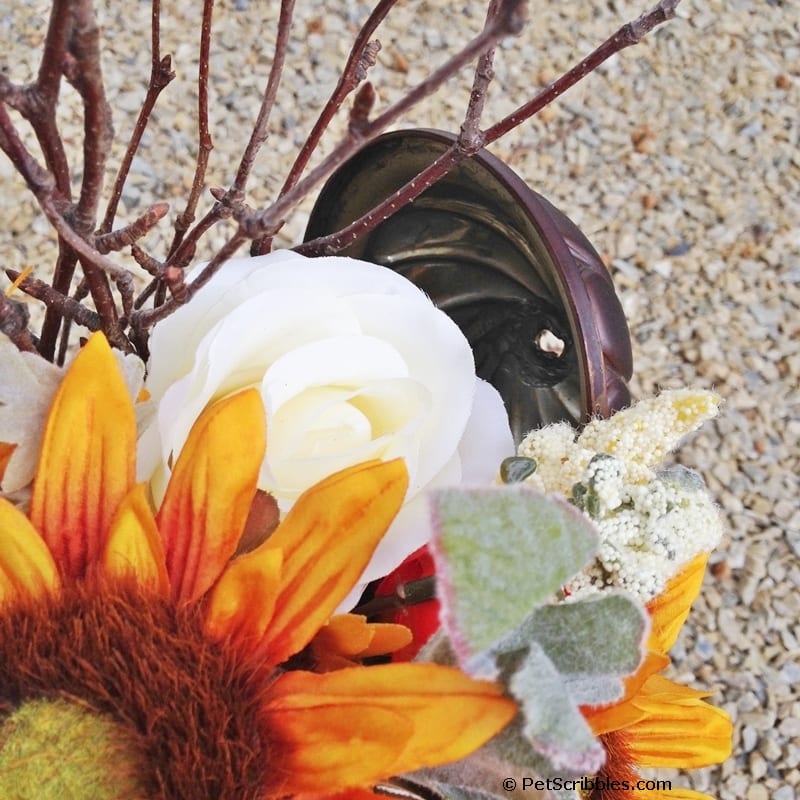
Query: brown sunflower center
{"type": "Point", "coordinates": [190, 706]}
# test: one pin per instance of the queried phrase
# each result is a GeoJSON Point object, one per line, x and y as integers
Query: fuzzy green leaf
{"type": "Point", "coordinates": [499, 554]}
{"type": "Point", "coordinates": [593, 643]}
{"type": "Point", "coordinates": [551, 720]}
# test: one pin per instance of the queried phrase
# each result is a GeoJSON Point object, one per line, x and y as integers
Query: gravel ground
{"type": "Point", "coordinates": [679, 159]}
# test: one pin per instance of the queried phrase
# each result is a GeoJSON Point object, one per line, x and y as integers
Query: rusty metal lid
{"type": "Point", "coordinates": [524, 284]}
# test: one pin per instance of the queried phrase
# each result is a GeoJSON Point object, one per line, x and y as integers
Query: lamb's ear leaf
{"type": "Point", "coordinates": [499, 554]}
{"type": "Point", "coordinates": [593, 643]}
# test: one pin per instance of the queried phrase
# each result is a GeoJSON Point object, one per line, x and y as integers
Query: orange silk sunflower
{"type": "Point", "coordinates": [188, 651]}
{"type": "Point", "coordinates": [660, 723]}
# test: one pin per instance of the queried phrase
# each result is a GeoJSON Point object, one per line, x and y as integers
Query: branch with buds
{"type": "Point", "coordinates": [72, 50]}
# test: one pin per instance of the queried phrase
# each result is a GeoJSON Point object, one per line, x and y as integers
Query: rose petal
{"type": "Point", "coordinates": [439, 357]}
{"type": "Point", "coordinates": [487, 438]}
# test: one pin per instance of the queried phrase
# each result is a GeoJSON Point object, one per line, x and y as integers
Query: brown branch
{"type": "Point", "coordinates": [362, 107]}
{"type": "Point", "coordinates": [66, 306]}
{"type": "Point", "coordinates": [98, 134]}
{"type": "Point", "coordinates": [80, 293]}
{"type": "Point", "coordinates": [123, 237]}
{"type": "Point", "coordinates": [259, 134]}
{"type": "Point", "coordinates": [43, 94]}
{"type": "Point", "coordinates": [205, 144]}
{"type": "Point", "coordinates": [161, 75]}
{"type": "Point", "coordinates": [142, 320]}
{"type": "Point", "coordinates": [14, 318]}
{"type": "Point", "coordinates": [145, 260]}
{"type": "Point", "coordinates": [470, 128]}
{"type": "Point", "coordinates": [628, 34]}
{"type": "Point", "coordinates": [362, 56]}
{"type": "Point", "coordinates": [508, 21]}
{"type": "Point", "coordinates": [228, 201]}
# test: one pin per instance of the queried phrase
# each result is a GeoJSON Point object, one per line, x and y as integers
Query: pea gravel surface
{"type": "Point", "coordinates": [679, 159]}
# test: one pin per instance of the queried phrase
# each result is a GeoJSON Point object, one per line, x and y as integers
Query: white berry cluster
{"type": "Point", "coordinates": [650, 522]}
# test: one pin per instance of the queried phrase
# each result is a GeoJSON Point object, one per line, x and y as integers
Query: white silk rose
{"type": "Point", "coordinates": [353, 363]}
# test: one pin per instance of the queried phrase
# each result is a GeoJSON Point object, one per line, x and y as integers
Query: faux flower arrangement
{"type": "Point", "coordinates": [281, 545]}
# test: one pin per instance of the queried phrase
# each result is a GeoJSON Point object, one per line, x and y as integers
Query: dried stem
{"type": "Point", "coordinates": [508, 21]}
{"type": "Point", "coordinates": [87, 78]}
{"type": "Point", "coordinates": [205, 144]}
{"type": "Point", "coordinates": [43, 95]}
{"type": "Point", "coordinates": [14, 318]}
{"type": "Point", "coordinates": [161, 75]}
{"type": "Point", "coordinates": [362, 56]}
{"type": "Point", "coordinates": [66, 306]}
{"type": "Point", "coordinates": [37, 103]}
{"type": "Point", "coordinates": [470, 128]}
{"type": "Point", "coordinates": [142, 320]}
{"type": "Point", "coordinates": [259, 134]}
{"type": "Point", "coordinates": [628, 34]}
{"type": "Point", "coordinates": [98, 134]}
{"type": "Point", "coordinates": [116, 240]}
{"type": "Point", "coordinates": [227, 201]}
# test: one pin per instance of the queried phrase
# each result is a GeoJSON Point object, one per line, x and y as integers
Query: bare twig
{"type": "Point", "coordinates": [227, 201]}
{"type": "Point", "coordinates": [65, 306]}
{"type": "Point", "coordinates": [14, 318]}
{"type": "Point", "coordinates": [145, 260]}
{"type": "Point", "coordinates": [116, 240]}
{"type": "Point", "coordinates": [362, 107]}
{"type": "Point", "coordinates": [470, 128]}
{"type": "Point", "coordinates": [259, 134]}
{"type": "Point", "coordinates": [84, 46]}
{"type": "Point", "coordinates": [161, 75]}
{"type": "Point", "coordinates": [508, 21]}
{"type": "Point", "coordinates": [42, 96]}
{"type": "Point", "coordinates": [362, 57]}
{"type": "Point", "coordinates": [628, 34]}
{"type": "Point", "coordinates": [205, 144]}
{"type": "Point", "coordinates": [87, 78]}
{"type": "Point", "coordinates": [142, 320]}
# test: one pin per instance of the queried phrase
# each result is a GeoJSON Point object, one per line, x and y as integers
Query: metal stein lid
{"type": "Point", "coordinates": [526, 287]}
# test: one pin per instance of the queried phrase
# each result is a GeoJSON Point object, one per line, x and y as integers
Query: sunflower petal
{"type": "Point", "coordinates": [669, 610]}
{"type": "Point", "coordinates": [134, 543]}
{"type": "Point", "coordinates": [677, 794]}
{"type": "Point", "coordinates": [86, 466]}
{"type": "Point", "coordinates": [325, 747]}
{"type": "Point", "coordinates": [26, 567]}
{"type": "Point", "coordinates": [346, 634]}
{"type": "Point", "coordinates": [387, 638]}
{"type": "Point", "coordinates": [209, 494]}
{"type": "Point", "coordinates": [678, 729]}
{"type": "Point", "coordinates": [327, 539]}
{"type": "Point", "coordinates": [436, 715]}
{"type": "Point", "coordinates": [242, 602]}
{"type": "Point", "coordinates": [348, 638]}
{"type": "Point", "coordinates": [625, 711]}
